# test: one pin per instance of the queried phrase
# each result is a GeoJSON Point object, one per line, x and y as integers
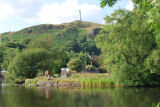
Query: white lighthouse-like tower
{"type": "Point", "coordinates": [80, 15]}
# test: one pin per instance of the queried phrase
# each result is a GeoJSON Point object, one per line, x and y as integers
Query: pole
{"type": "Point", "coordinates": [80, 15]}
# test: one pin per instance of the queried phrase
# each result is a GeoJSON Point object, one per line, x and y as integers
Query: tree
{"type": "Point", "coordinates": [1, 55]}
{"type": "Point", "coordinates": [44, 43]}
{"type": "Point", "coordinates": [60, 61]}
{"type": "Point", "coordinates": [81, 58]}
{"type": "Point", "coordinates": [73, 46]}
{"type": "Point", "coordinates": [108, 2]}
{"type": "Point", "coordinates": [27, 63]}
{"type": "Point", "coordinates": [153, 62]}
{"type": "Point", "coordinates": [75, 64]}
{"type": "Point", "coordinates": [90, 47]}
{"type": "Point", "coordinates": [7, 52]}
{"type": "Point", "coordinates": [149, 8]}
{"type": "Point", "coordinates": [126, 44]}
{"type": "Point", "coordinates": [8, 56]}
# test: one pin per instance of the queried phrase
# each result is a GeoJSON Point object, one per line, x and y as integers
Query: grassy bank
{"type": "Point", "coordinates": [93, 80]}
{"type": "Point", "coordinates": [88, 80]}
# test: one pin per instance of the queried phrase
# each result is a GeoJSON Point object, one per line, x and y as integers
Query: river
{"type": "Point", "coordinates": [18, 96]}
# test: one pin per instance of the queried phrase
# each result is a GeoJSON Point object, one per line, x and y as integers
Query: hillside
{"type": "Point", "coordinates": [77, 28]}
{"type": "Point", "coordinates": [75, 36]}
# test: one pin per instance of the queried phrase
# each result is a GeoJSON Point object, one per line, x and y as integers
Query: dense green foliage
{"type": "Point", "coordinates": [58, 44]}
{"type": "Point", "coordinates": [90, 67]}
{"type": "Point", "coordinates": [129, 43]}
{"type": "Point", "coordinates": [108, 2]}
{"type": "Point", "coordinates": [33, 62]}
{"type": "Point", "coordinates": [75, 64]}
{"type": "Point", "coordinates": [29, 62]}
{"type": "Point", "coordinates": [9, 54]}
{"type": "Point", "coordinates": [8, 51]}
{"type": "Point", "coordinates": [74, 36]}
{"type": "Point", "coordinates": [150, 10]}
{"type": "Point", "coordinates": [40, 54]}
{"type": "Point", "coordinates": [77, 61]}
{"type": "Point", "coordinates": [129, 49]}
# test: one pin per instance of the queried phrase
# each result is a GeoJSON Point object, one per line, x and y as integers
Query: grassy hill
{"type": "Point", "coordinates": [77, 28]}
{"type": "Point", "coordinates": [63, 35]}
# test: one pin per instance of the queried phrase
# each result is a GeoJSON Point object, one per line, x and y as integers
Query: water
{"type": "Point", "coordinates": [16, 96]}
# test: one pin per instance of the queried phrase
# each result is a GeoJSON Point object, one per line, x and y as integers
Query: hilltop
{"type": "Point", "coordinates": [78, 28]}
{"type": "Point", "coordinates": [75, 36]}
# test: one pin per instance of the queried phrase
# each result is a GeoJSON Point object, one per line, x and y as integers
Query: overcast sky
{"type": "Point", "coordinates": [18, 14]}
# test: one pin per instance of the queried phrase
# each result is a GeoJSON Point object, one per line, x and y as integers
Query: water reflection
{"type": "Point", "coordinates": [47, 93]}
{"type": "Point", "coordinates": [12, 96]}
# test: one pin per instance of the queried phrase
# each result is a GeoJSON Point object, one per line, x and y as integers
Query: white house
{"type": "Point", "coordinates": [64, 72]}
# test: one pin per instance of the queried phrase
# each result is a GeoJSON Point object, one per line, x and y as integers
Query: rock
{"type": "Point", "coordinates": [51, 83]}
{"type": "Point", "coordinates": [48, 85]}
{"type": "Point", "coordinates": [94, 32]}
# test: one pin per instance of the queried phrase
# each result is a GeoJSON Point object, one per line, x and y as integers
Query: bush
{"type": "Point", "coordinates": [90, 67]}
{"type": "Point", "coordinates": [102, 70]}
{"type": "Point", "coordinates": [29, 62]}
{"type": "Point", "coordinates": [75, 64]}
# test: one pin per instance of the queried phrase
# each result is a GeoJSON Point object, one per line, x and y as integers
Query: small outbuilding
{"type": "Point", "coordinates": [64, 72]}
{"type": "Point", "coordinates": [3, 73]}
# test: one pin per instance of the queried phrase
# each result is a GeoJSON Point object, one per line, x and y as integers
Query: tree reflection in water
{"type": "Point", "coordinates": [12, 96]}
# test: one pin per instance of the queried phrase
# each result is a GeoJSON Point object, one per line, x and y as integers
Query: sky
{"type": "Point", "coordinates": [18, 14]}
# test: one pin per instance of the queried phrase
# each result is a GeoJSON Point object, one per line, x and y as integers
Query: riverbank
{"type": "Point", "coordinates": [90, 80]}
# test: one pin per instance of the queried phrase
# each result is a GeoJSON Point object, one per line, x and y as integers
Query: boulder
{"type": "Point", "coordinates": [94, 32]}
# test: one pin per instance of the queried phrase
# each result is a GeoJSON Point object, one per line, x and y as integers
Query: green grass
{"type": "Point", "coordinates": [158, 105]}
{"type": "Point", "coordinates": [93, 79]}
{"type": "Point", "coordinates": [31, 81]}
{"type": "Point", "coordinates": [77, 29]}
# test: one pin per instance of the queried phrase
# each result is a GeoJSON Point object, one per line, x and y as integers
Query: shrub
{"type": "Point", "coordinates": [90, 67]}
{"type": "Point", "coordinates": [75, 64]}
{"type": "Point", "coordinates": [29, 62]}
